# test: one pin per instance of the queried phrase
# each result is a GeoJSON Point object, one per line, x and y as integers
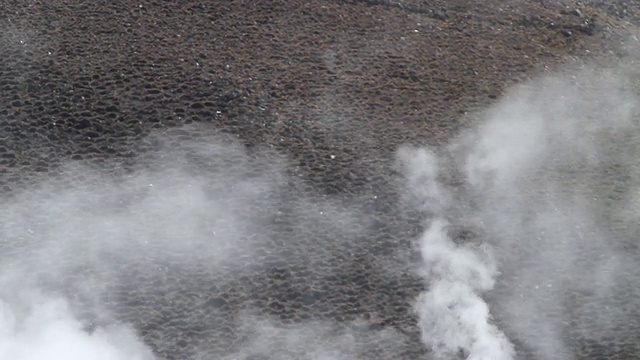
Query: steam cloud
{"type": "Point", "coordinates": [73, 242]}
{"type": "Point", "coordinates": [544, 182]}
{"type": "Point", "coordinates": [36, 327]}
{"type": "Point", "coordinates": [454, 318]}
{"type": "Point", "coordinates": [529, 240]}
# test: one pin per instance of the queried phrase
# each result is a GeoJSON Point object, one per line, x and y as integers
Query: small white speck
{"type": "Point", "coordinates": [333, 156]}
{"type": "Point", "coordinates": [416, 30]}
{"type": "Point", "coordinates": [151, 185]}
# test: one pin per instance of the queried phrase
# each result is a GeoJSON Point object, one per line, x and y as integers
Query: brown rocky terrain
{"type": "Point", "coordinates": [330, 88]}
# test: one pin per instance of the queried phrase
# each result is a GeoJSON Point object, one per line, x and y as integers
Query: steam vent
{"type": "Point", "coordinates": [327, 179]}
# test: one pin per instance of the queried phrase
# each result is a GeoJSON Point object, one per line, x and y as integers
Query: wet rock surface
{"type": "Point", "coordinates": [331, 89]}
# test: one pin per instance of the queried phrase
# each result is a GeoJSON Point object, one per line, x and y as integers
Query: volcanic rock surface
{"type": "Point", "coordinates": [306, 101]}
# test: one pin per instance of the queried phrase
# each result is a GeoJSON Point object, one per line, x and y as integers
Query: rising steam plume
{"type": "Point", "coordinates": [546, 189]}
{"type": "Point", "coordinates": [530, 242]}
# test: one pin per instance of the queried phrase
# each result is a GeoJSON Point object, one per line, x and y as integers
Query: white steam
{"type": "Point", "coordinates": [34, 326]}
{"type": "Point", "coordinates": [88, 259]}
{"type": "Point", "coordinates": [71, 244]}
{"type": "Point", "coordinates": [548, 191]}
{"type": "Point", "coordinates": [453, 317]}
{"type": "Point", "coordinates": [530, 240]}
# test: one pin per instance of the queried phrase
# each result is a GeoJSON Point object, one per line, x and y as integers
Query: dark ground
{"type": "Point", "coordinates": [334, 86]}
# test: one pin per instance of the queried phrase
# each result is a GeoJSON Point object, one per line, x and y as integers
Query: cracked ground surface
{"type": "Point", "coordinates": [331, 88]}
